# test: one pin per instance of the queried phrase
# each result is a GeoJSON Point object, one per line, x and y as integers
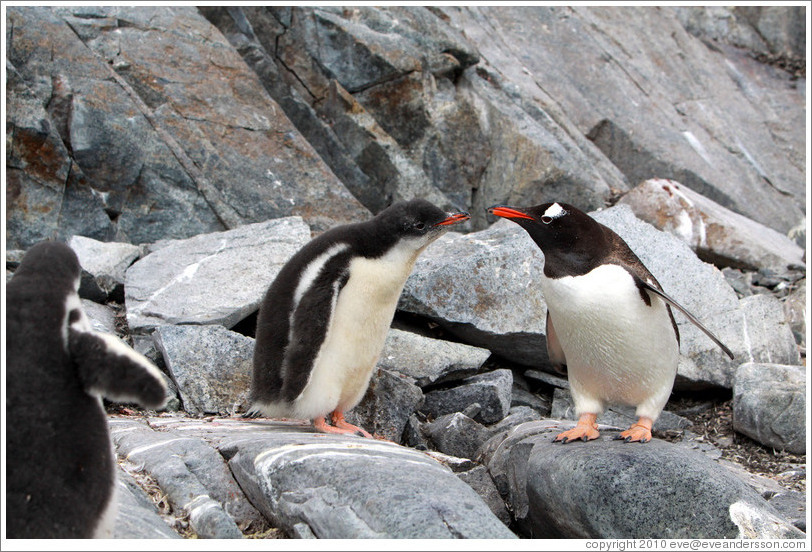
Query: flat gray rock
{"type": "Point", "coordinates": [210, 365]}
{"type": "Point", "coordinates": [769, 405]}
{"type": "Point", "coordinates": [217, 278]}
{"type": "Point", "coordinates": [492, 390]}
{"type": "Point", "coordinates": [612, 489]}
{"type": "Point", "coordinates": [428, 360]}
{"type": "Point", "coordinates": [350, 487]}
{"type": "Point", "coordinates": [481, 481]}
{"type": "Point", "coordinates": [102, 318]}
{"type": "Point", "coordinates": [717, 234]}
{"type": "Point", "coordinates": [138, 517]}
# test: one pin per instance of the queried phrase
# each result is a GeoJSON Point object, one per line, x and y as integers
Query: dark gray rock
{"type": "Point", "coordinates": [795, 311]}
{"type": "Point", "coordinates": [217, 278]}
{"type": "Point", "coordinates": [491, 390]}
{"type": "Point", "coordinates": [138, 517]}
{"type": "Point", "coordinates": [210, 365]}
{"type": "Point", "coordinates": [325, 482]}
{"type": "Point", "coordinates": [191, 473]}
{"type": "Point", "coordinates": [428, 360]}
{"type": "Point", "coordinates": [769, 405]}
{"type": "Point", "coordinates": [717, 235]}
{"type": "Point", "coordinates": [792, 507]}
{"type": "Point", "coordinates": [617, 415]}
{"type": "Point", "coordinates": [387, 405]}
{"type": "Point", "coordinates": [517, 416]}
{"type": "Point", "coordinates": [521, 397]}
{"type": "Point", "coordinates": [621, 490]}
{"type": "Point", "coordinates": [457, 435]}
{"type": "Point", "coordinates": [548, 379]}
{"type": "Point", "coordinates": [480, 480]}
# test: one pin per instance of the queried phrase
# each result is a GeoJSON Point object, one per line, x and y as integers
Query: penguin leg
{"type": "Point", "coordinates": [340, 422]}
{"type": "Point", "coordinates": [586, 429]}
{"type": "Point", "coordinates": [641, 431]}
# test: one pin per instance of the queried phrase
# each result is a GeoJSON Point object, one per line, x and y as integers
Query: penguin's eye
{"type": "Point", "coordinates": [546, 220]}
{"type": "Point", "coordinates": [420, 225]}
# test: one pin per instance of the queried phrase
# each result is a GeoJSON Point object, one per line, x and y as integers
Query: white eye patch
{"type": "Point", "coordinates": [554, 211]}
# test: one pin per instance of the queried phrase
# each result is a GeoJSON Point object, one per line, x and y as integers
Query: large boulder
{"type": "Point", "coordinates": [717, 235]}
{"type": "Point", "coordinates": [217, 278]}
{"type": "Point", "coordinates": [612, 489]}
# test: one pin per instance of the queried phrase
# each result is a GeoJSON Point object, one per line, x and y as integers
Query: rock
{"type": "Point", "coordinates": [138, 517]}
{"type": "Point", "coordinates": [521, 397]}
{"type": "Point", "coordinates": [755, 523]}
{"type": "Point", "coordinates": [791, 505]}
{"type": "Point", "coordinates": [387, 405]}
{"type": "Point", "coordinates": [344, 486]}
{"type": "Point", "coordinates": [548, 379]}
{"type": "Point", "coordinates": [457, 435]}
{"type": "Point", "coordinates": [760, 29]}
{"type": "Point", "coordinates": [768, 405]}
{"type": "Point", "coordinates": [795, 311]}
{"type": "Point", "coordinates": [102, 318]}
{"type": "Point", "coordinates": [106, 262]}
{"type": "Point", "coordinates": [492, 390]}
{"type": "Point", "coordinates": [717, 235]}
{"type": "Point", "coordinates": [480, 480]}
{"type": "Point", "coordinates": [146, 346]}
{"type": "Point", "coordinates": [485, 288]}
{"type": "Point", "coordinates": [190, 472]}
{"type": "Point", "coordinates": [211, 366]}
{"type": "Point", "coordinates": [684, 123]}
{"type": "Point", "coordinates": [614, 490]}
{"type": "Point", "coordinates": [517, 416]}
{"type": "Point", "coordinates": [428, 360]}
{"type": "Point", "coordinates": [217, 278]}
{"type": "Point", "coordinates": [616, 415]}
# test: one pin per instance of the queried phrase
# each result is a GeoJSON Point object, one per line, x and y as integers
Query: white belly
{"type": "Point", "coordinates": [356, 334]}
{"type": "Point", "coordinates": [618, 349]}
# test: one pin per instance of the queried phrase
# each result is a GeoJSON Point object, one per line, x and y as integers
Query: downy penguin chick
{"type": "Point", "coordinates": [61, 470]}
{"type": "Point", "coordinates": [608, 319]}
{"type": "Point", "coordinates": [324, 319]}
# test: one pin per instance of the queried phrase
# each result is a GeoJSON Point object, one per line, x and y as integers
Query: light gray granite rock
{"type": "Point", "coordinates": [769, 405]}
{"type": "Point", "coordinates": [217, 278]}
{"type": "Point", "coordinates": [107, 262]}
{"type": "Point", "coordinates": [428, 360]}
{"type": "Point", "coordinates": [210, 365]}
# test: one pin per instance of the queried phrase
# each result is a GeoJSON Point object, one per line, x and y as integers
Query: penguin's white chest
{"type": "Point", "coordinates": [360, 320]}
{"type": "Point", "coordinates": [618, 349]}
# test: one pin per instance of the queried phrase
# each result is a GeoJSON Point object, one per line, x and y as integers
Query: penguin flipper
{"type": "Point", "coordinates": [108, 367]}
{"type": "Point", "coordinates": [310, 321]}
{"type": "Point", "coordinates": [660, 293]}
{"type": "Point", "coordinates": [554, 351]}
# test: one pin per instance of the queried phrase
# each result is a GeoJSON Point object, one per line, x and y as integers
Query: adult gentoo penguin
{"type": "Point", "coordinates": [324, 319]}
{"type": "Point", "coordinates": [608, 319]}
{"type": "Point", "coordinates": [60, 476]}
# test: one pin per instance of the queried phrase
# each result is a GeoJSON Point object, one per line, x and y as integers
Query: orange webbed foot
{"type": "Point", "coordinates": [340, 422]}
{"type": "Point", "coordinates": [586, 429]}
{"type": "Point", "coordinates": [639, 432]}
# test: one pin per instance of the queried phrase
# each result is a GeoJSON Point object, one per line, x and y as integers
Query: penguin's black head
{"type": "Point", "coordinates": [418, 219]}
{"type": "Point", "coordinates": [52, 260]}
{"type": "Point", "coordinates": [555, 226]}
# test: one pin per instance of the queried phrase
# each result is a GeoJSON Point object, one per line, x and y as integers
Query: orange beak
{"type": "Point", "coordinates": [454, 219]}
{"type": "Point", "coordinates": [508, 212]}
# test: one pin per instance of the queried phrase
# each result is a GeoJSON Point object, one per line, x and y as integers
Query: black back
{"type": "Point", "coordinates": [281, 368]}
{"type": "Point", "coordinates": [59, 471]}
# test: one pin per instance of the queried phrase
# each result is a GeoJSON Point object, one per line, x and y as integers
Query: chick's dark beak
{"type": "Point", "coordinates": [453, 218]}
{"type": "Point", "coordinates": [508, 212]}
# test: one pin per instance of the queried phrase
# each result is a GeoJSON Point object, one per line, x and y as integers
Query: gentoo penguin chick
{"type": "Point", "coordinates": [608, 319]}
{"type": "Point", "coordinates": [324, 319]}
{"type": "Point", "coordinates": [61, 467]}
